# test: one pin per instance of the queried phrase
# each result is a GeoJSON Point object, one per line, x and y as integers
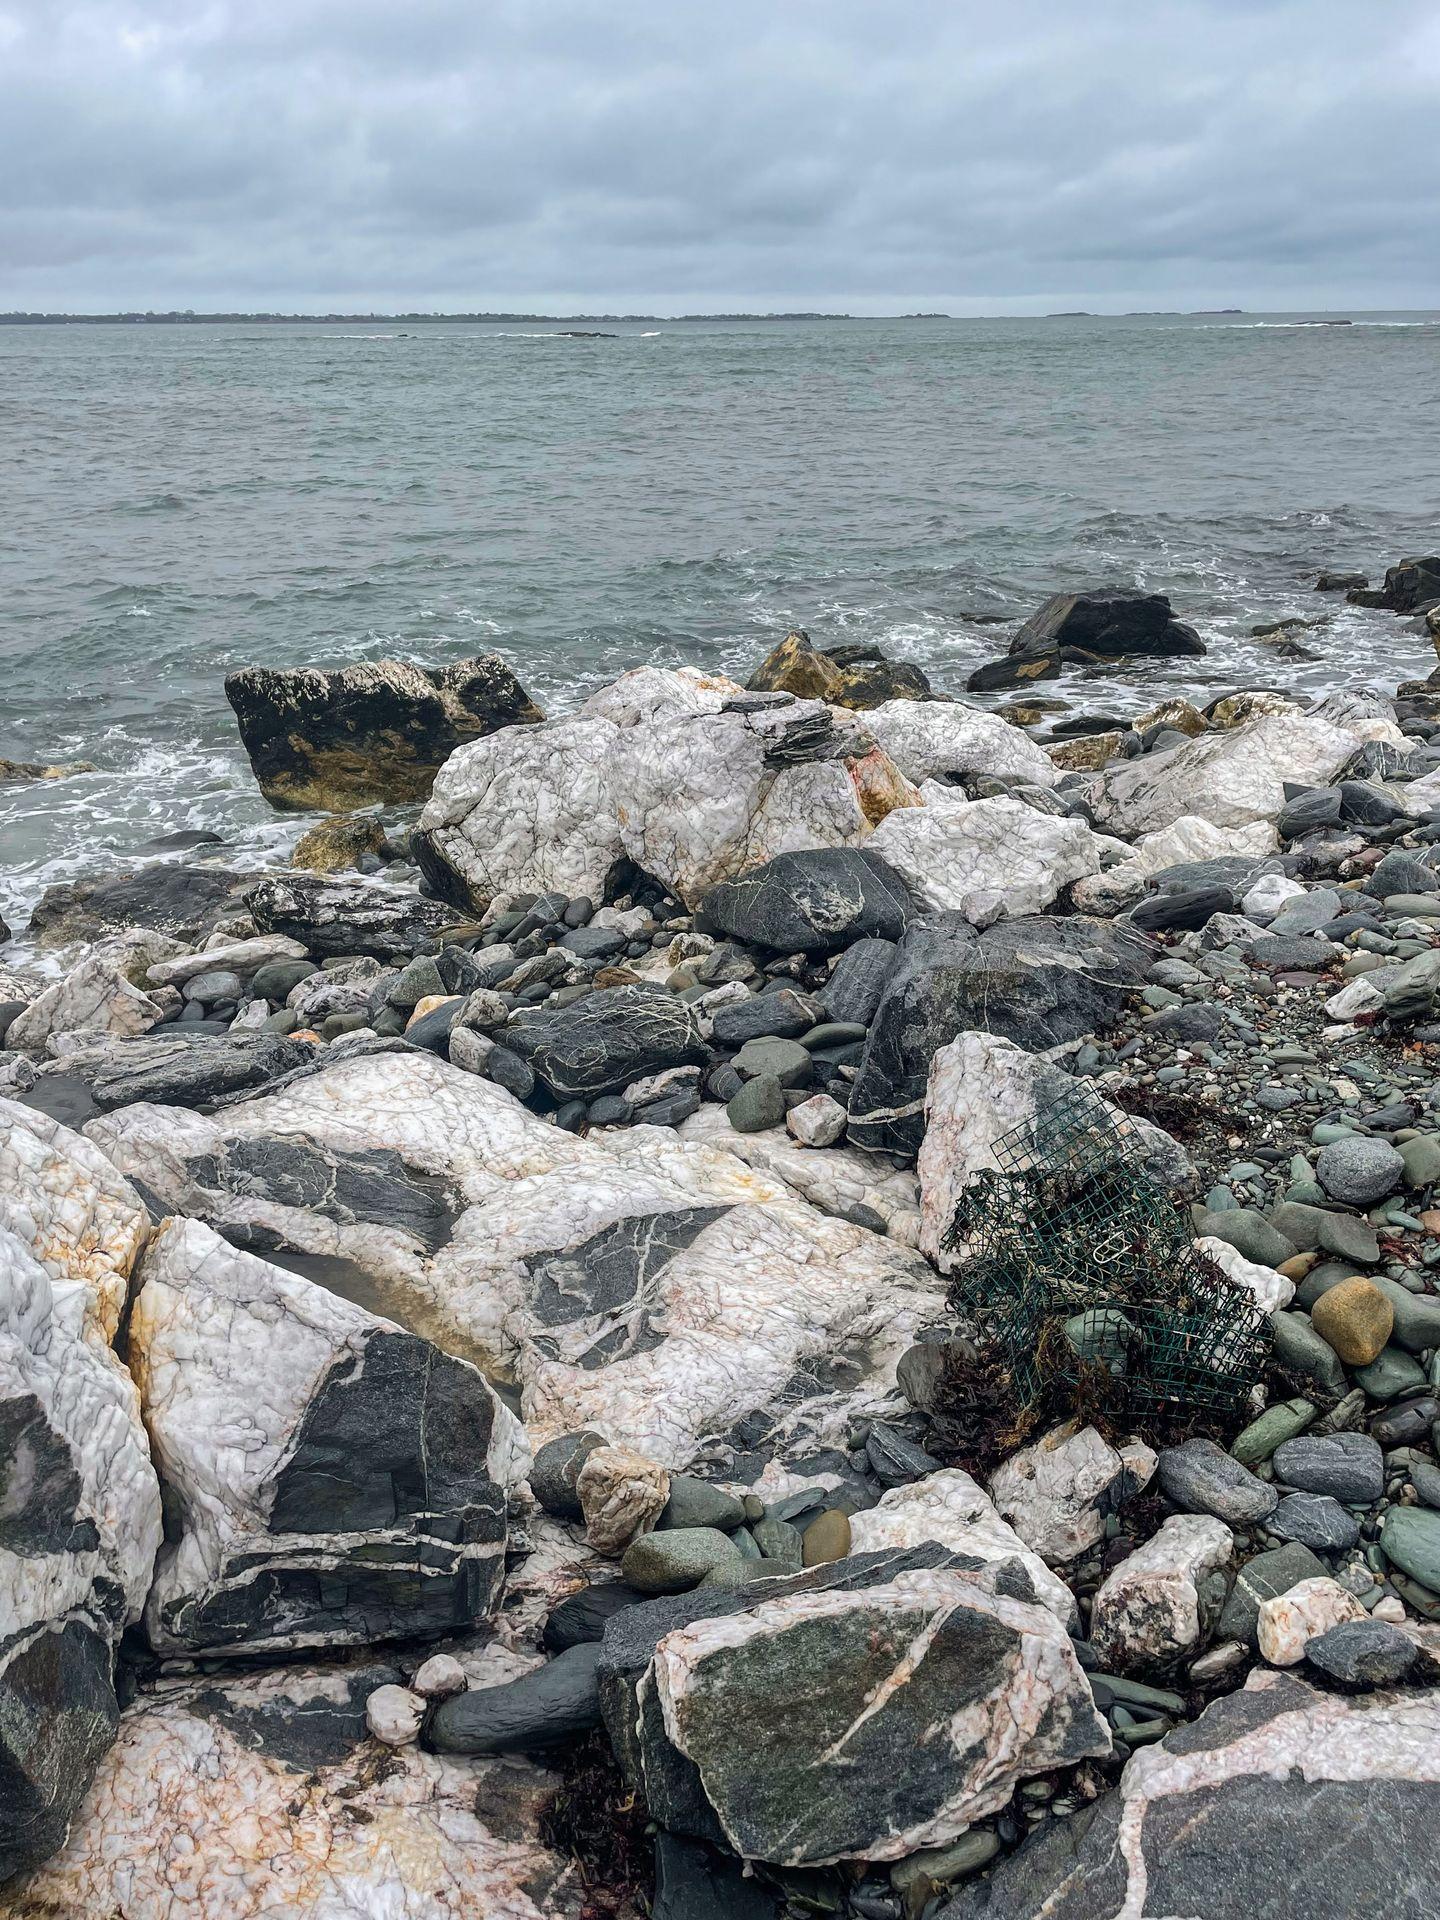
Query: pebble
{"type": "Point", "coordinates": [674, 1561]}
{"type": "Point", "coordinates": [826, 1538]}
{"type": "Point", "coordinates": [394, 1715]}
{"type": "Point", "coordinates": [818, 1121]}
{"type": "Point", "coordinates": [1347, 1466]}
{"type": "Point", "coordinates": [439, 1676]}
{"type": "Point", "coordinates": [1356, 1319]}
{"type": "Point", "coordinates": [1410, 1538]}
{"type": "Point", "coordinates": [782, 1060]}
{"type": "Point", "coordinates": [758, 1106]}
{"type": "Point", "coordinates": [698, 1503]}
{"type": "Point", "coordinates": [1288, 1623]}
{"type": "Point", "coordinates": [1359, 1171]}
{"type": "Point", "coordinates": [1200, 1477]}
{"type": "Point", "coordinates": [1272, 1429]}
{"type": "Point", "coordinates": [1316, 1521]}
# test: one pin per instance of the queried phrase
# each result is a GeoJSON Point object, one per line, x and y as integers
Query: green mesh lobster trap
{"type": "Point", "coordinates": [1080, 1273]}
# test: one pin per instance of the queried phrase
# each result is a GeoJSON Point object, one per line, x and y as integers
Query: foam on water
{"type": "Point", "coordinates": [198, 499]}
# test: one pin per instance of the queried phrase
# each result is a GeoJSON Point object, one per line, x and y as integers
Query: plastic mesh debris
{"type": "Point", "coordinates": [1081, 1274]}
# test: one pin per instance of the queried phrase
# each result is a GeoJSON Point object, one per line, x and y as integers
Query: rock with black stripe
{"type": "Point", "coordinates": [334, 1480]}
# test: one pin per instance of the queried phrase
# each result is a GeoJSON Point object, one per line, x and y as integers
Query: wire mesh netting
{"type": "Point", "coordinates": [1080, 1271]}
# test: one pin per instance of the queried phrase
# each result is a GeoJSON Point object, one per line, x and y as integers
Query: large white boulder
{"type": "Point", "coordinates": [332, 1480]}
{"type": "Point", "coordinates": [690, 781]}
{"type": "Point", "coordinates": [103, 993]}
{"type": "Point", "coordinates": [1186, 839]}
{"type": "Point", "coordinates": [954, 1511]}
{"type": "Point", "coordinates": [988, 859]}
{"type": "Point", "coordinates": [930, 739]}
{"type": "Point", "coordinates": [1230, 778]}
{"type": "Point", "coordinates": [257, 1797]}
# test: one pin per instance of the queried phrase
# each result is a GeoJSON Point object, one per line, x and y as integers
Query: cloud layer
{"type": "Point", "coordinates": [872, 155]}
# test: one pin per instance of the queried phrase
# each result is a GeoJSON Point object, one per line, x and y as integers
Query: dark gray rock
{"type": "Point", "coordinates": [1402, 873]}
{"type": "Point", "coordinates": [1242, 1841]}
{"type": "Point", "coordinates": [1168, 912]}
{"type": "Point", "coordinates": [583, 1617]}
{"type": "Point", "coordinates": [1106, 623]}
{"type": "Point", "coordinates": [343, 738]}
{"type": "Point", "coordinates": [546, 1708]}
{"type": "Point", "coordinates": [594, 943]}
{"type": "Point", "coordinates": [1200, 1477]}
{"type": "Point", "coordinates": [1316, 1521]}
{"type": "Point", "coordinates": [783, 1060]}
{"type": "Point", "coordinates": [509, 1071]}
{"type": "Point", "coordinates": [783, 1016]}
{"type": "Point", "coordinates": [818, 901]}
{"type": "Point", "coordinates": [555, 1468]}
{"type": "Point", "coordinates": [315, 1719]}
{"type": "Point", "coordinates": [1348, 1466]}
{"type": "Point", "coordinates": [1412, 583]}
{"type": "Point", "coordinates": [759, 1104]}
{"type": "Point", "coordinates": [1034, 980]}
{"type": "Point", "coordinates": [1361, 1654]}
{"type": "Point", "coordinates": [603, 1042]}
{"type": "Point", "coordinates": [58, 1715]}
{"type": "Point", "coordinates": [183, 902]}
{"type": "Point", "coordinates": [697, 1503]}
{"type": "Point", "coordinates": [176, 1068]}
{"type": "Point", "coordinates": [332, 914]}
{"type": "Point", "coordinates": [855, 988]}
{"type": "Point", "coordinates": [1319, 807]}
{"type": "Point", "coordinates": [696, 1882]}
{"type": "Point", "coordinates": [1270, 1573]}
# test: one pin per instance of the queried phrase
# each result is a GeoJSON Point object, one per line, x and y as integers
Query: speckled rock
{"type": "Point", "coordinates": [1148, 1610]}
{"type": "Point", "coordinates": [1291, 1620]}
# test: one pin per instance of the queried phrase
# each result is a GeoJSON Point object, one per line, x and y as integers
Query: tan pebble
{"type": "Point", "coordinates": [826, 1538]}
{"type": "Point", "coordinates": [428, 1005]}
{"type": "Point", "coordinates": [1355, 1319]}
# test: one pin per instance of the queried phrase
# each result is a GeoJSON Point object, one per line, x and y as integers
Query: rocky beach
{"type": "Point", "coordinates": [758, 1298]}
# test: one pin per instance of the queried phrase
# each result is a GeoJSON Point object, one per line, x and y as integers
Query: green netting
{"type": "Point", "coordinates": [1079, 1271]}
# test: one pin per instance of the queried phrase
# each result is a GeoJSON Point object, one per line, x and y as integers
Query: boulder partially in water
{"type": "Point", "coordinates": [359, 1497]}
{"type": "Point", "coordinates": [346, 737]}
{"type": "Point", "coordinates": [182, 901]}
{"type": "Point", "coordinates": [1077, 629]}
{"type": "Point", "coordinates": [857, 677]}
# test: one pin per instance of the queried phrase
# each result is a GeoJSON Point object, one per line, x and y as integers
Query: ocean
{"type": "Point", "coordinates": [181, 501]}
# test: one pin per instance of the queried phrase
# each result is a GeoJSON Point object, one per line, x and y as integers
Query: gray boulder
{"type": "Point", "coordinates": [1278, 1801]}
{"type": "Point", "coordinates": [1034, 980]}
{"type": "Point", "coordinates": [347, 914]}
{"type": "Point", "coordinates": [603, 1042]}
{"type": "Point", "coordinates": [818, 901]}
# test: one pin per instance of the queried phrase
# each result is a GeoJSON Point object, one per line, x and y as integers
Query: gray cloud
{"type": "Point", "coordinates": [672, 155]}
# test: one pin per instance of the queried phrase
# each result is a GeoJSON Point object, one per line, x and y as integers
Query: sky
{"type": "Point", "coordinates": [668, 156]}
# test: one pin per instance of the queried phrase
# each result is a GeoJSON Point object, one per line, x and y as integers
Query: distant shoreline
{"type": "Point", "coordinates": [419, 319]}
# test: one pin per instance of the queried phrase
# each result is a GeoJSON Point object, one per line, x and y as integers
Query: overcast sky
{"type": "Point", "coordinates": [977, 156]}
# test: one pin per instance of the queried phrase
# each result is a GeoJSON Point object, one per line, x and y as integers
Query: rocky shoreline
{"type": "Point", "coordinates": [800, 1299]}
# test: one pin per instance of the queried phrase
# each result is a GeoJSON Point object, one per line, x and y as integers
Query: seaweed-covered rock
{"type": "Point", "coordinates": [380, 730]}
{"type": "Point", "coordinates": [360, 1496]}
{"type": "Point", "coordinates": [857, 677]}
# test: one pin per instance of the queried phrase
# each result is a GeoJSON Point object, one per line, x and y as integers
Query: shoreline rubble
{"type": "Point", "coordinates": [535, 1265]}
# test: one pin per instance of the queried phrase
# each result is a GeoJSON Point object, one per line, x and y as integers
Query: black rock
{"type": "Point", "coordinates": [509, 1071]}
{"type": "Point", "coordinates": [696, 1882]}
{"type": "Point", "coordinates": [58, 1715]}
{"type": "Point", "coordinates": [1367, 805]}
{"type": "Point", "coordinates": [611, 1037]}
{"type": "Point", "coordinates": [896, 1460]}
{"type": "Point", "coordinates": [783, 1015]}
{"type": "Point", "coordinates": [594, 943]}
{"type": "Point", "coordinates": [1316, 1521]}
{"type": "Point", "coordinates": [1361, 1654]}
{"type": "Point", "coordinates": [1320, 807]}
{"type": "Point", "coordinates": [380, 730]}
{"type": "Point", "coordinates": [1402, 873]}
{"type": "Point", "coordinates": [183, 902]}
{"type": "Point", "coordinates": [1107, 623]}
{"type": "Point", "coordinates": [178, 1068]}
{"type": "Point", "coordinates": [582, 1618]}
{"type": "Point", "coordinates": [546, 1708]}
{"type": "Point", "coordinates": [332, 915]}
{"type": "Point", "coordinates": [432, 1030]}
{"type": "Point", "coordinates": [854, 989]}
{"type": "Point", "coordinates": [1412, 584]}
{"type": "Point", "coordinates": [813, 902]}
{"type": "Point", "coordinates": [1037, 981]}
{"type": "Point", "coordinates": [1285, 952]}
{"type": "Point", "coordinates": [554, 1469]}
{"type": "Point", "coordinates": [1165, 912]}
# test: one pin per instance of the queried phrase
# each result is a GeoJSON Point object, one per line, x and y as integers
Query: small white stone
{"type": "Point", "coordinates": [818, 1121]}
{"type": "Point", "coordinates": [1268, 896]}
{"type": "Point", "coordinates": [437, 1678]}
{"type": "Point", "coordinates": [1360, 996]}
{"type": "Point", "coordinates": [1290, 1621]}
{"type": "Point", "coordinates": [469, 1049]}
{"type": "Point", "coordinates": [1271, 1290]}
{"type": "Point", "coordinates": [1391, 1608]}
{"type": "Point", "coordinates": [1057, 1492]}
{"type": "Point", "coordinates": [393, 1714]}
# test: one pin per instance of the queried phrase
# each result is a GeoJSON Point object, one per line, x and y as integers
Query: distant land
{"type": "Point", "coordinates": [188, 319]}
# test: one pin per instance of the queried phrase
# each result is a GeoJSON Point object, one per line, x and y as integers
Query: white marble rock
{"type": "Point", "coordinates": [622, 1493]}
{"type": "Point", "coordinates": [1058, 1493]}
{"type": "Point", "coordinates": [1148, 1609]}
{"type": "Point", "coordinates": [955, 1511]}
{"type": "Point", "coordinates": [928, 739]}
{"type": "Point", "coordinates": [102, 994]}
{"type": "Point", "coordinates": [987, 859]}
{"type": "Point", "coordinates": [332, 1479]}
{"type": "Point", "coordinates": [1289, 1621]}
